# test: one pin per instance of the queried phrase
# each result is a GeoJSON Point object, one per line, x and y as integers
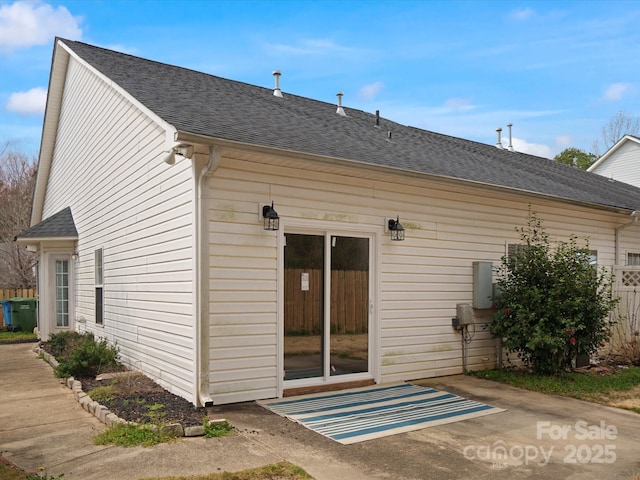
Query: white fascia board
{"type": "Point", "coordinates": [608, 153]}
{"type": "Point", "coordinates": [57, 78]}
{"type": "Point", "coordinates": [170, 129]}
{"type": "Point", "coordinates": [38, 240]}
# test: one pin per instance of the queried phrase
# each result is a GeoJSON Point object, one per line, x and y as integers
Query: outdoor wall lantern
{"type": "Point", "coordinates": [396, 229]}
{"type": "Point", "coordinates": [271, 218]}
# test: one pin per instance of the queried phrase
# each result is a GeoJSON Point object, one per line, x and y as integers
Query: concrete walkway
{"type": "Point", "coordinates": [545, 437]}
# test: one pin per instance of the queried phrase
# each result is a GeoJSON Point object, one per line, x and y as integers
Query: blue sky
{"type": "Point", "coordinates": [557, 70]}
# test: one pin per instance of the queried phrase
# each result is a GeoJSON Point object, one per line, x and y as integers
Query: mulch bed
{"type": "Point", "coordinates": [134, 405]}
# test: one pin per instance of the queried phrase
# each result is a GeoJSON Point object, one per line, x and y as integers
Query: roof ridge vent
{"type": "Point", "coordinates": [499, 142]}
{"type": "Point", "coordinates": [340, 110]}
{"type": "Point", "coordinates": [276, 91]}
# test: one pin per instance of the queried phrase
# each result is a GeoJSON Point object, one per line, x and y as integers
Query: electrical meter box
{"type": "Point", "coordinates": [464, 314]}
{"type": "Point", "coordinates": [482, 285]}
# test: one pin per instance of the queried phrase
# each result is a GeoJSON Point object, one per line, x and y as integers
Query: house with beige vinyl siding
{"type": "Point", "coordinates": [167, 175]}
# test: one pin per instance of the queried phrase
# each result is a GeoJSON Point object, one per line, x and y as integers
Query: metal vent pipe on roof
{"type": "Point", "coordinates": [499, 142]}
{"type": "Point", "coordinates": [340, 110]}
{"type": "Point", "coordinates": [510, 147]}
{"type": "Point", "coordinates": [276, 91]}
{"type": "Point", "coordinates": [377, 118]}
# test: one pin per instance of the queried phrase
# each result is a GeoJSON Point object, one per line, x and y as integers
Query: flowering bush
{"type": "Point", "coordinates": [553, 304]}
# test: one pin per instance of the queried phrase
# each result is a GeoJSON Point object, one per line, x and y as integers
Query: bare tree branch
{"type": "Point", "coordinates": [17, 181]}
{"type": "Point", "coordinates": [620, 124]}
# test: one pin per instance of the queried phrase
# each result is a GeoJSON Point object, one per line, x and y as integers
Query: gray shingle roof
{"type": "Point", "coordinates": [204, 104]}
{"type": "Point", "coordinates": [59, 224]}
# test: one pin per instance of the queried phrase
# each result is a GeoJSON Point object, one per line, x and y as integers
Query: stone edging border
{"type": "Point", "coordinates": [102, 413]}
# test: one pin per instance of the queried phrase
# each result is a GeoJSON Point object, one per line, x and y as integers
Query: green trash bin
{"type": "Point", "coordinates": [23, 314]}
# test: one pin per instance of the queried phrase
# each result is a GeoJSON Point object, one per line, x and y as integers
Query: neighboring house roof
{"type": "Point", "coordinates": [205, 105]}
{"type": "Point", "coordinates": [602, 160]}
{"type": "Point", "coordinates": [58, 225]}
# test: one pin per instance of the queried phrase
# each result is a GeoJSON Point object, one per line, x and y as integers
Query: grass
{"type": "Point", "coordinates": [584, 386]}
{"type": "Point", "coordinates": [8, 471]}
{"type": "Point", "coordinates": [16, 337]}
{"type": "Point", "coordinates": [217, 429]}
{"type": "Point", "coordinates": [131, 435]}
{"type": "Point", "coordinates": [280, 471]}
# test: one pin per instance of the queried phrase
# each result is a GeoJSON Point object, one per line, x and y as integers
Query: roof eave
{"type": "Point", "coordinates": [38, 240]}
{"type": "Point", "coordinates": [182, 136]}
{"type": "Point", "coordinates": [57, 77]}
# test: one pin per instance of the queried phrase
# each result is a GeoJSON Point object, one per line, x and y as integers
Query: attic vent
{"type": "Point", "coordinates": [340, 110]}
{"type": "Point", "coordinates": [499, 142]}
{"type": "Point", "coordinates": [510, 147]}
{"type": "Point", "coordinates": [276, 91]}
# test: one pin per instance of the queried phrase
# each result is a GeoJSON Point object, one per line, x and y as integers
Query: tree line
{"type": "Point", "coordinates": [622, 123]}
{"type": "Point", "coordinates": [17, 181]}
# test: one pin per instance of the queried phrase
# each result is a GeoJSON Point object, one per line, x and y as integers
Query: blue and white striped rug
{"type": "Point", "coordinates": [372, 412]}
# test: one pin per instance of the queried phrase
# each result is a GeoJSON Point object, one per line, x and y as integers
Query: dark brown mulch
{"type": "Point", "coordinates": [141, 401]}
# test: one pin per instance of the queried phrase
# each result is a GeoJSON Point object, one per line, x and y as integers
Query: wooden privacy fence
{"type": "Point", "coordinates": [304, 308]}
{"type": "Point", "coordinates": [8, 293]}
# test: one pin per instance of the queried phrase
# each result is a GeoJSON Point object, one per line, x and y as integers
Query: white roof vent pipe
{"type": "Point", "coordinates": [510, 147]}
{"type": "Point", "coordinates": [499, 142]}
{"type": "Point", "coordinates": [276, 91]}
{"type": "Point", "coordinates": [340, 110]}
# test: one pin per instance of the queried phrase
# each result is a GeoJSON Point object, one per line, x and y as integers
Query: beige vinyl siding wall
{"type": "Point", "coordinates": [623, 165]}
{"type": "Point", "coordinates": [629, 241]}
{"type": "Point", "coordinates": [108, 168]}
{"type": "Point", "coordinates": [421, 280]}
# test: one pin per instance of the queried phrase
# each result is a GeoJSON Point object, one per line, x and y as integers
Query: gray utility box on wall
{"type": "Point", "coordinates": [482, 284]}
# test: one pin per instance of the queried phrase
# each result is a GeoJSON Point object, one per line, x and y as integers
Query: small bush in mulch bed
{"type": "Point", "coordinates": [81, 355]}
{"type": "Point", "coordinates": [136, 398]}
{"type": "Point", "coordinates": [129, 395]}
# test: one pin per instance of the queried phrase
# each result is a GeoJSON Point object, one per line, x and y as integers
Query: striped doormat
{"type": "Point", "coordinates": [372, 412]}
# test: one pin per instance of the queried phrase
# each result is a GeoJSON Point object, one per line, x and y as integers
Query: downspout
{"type": "Point", "coordinates": [619, 228]}
{"type": "Point", "coordinates": [201, 269]}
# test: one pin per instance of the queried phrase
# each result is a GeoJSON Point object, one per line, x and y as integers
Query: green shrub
{"type": "Point", "coordinates": [553, 304]}
{"type": "Point", "coordinates": [88, 358]}
{"type": "Point", "coordinates": [103, 394]}
{"type": "Point", "coordinates": [61, 344]}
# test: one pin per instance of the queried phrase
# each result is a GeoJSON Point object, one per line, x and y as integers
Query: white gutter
{"type": "Point", "coordinates": [201, 275]}
{"type": "Point", "coordinates": [619, 228]}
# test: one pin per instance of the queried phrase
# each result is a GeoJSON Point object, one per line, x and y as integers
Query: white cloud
{"type": "Point", "coordinates": [369, 92]}
{"type": "Point", "coordinates": [314, 47]}
{"type": "Point", "coordinates": [27, 23]}
{"type": "Point", "coordinates": [563, 140]}
{"type": "Point", "coordinates": [522, 14]}
{"type": "Point", "coordinates": [616, 91]}
{"type": "Point", "coordinates": [458, 104]}
{"type": "Point", "coordinates": [520, 145]}
{"type": "Point", "coordinates": [30, 102]}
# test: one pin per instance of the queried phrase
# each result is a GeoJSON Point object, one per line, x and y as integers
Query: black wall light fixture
{"type": "Point", "coordinates": [396, 229]}
{"type": "Point", "coordinates": [271, 218]}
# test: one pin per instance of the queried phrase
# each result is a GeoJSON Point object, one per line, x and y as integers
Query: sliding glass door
{"type": "Point", "coordinates": [326, 306]}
